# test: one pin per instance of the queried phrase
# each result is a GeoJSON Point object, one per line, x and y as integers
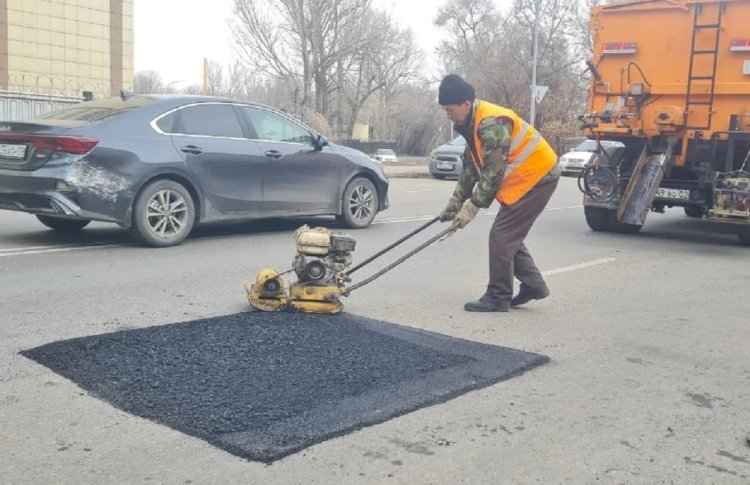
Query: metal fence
{"type": "Point", "coordinates": [16, 105]}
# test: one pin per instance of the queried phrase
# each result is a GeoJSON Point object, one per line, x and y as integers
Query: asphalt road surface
{"type": "Point", "coordinates": [648, 335]}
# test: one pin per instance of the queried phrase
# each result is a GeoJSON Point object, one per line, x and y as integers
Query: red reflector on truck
{"type": "Point", "coordinates": [77, 145]}
{"type": "Point", "coordinates": [619, 48]}
{"type": "Point", "coordinates": [739, 45]}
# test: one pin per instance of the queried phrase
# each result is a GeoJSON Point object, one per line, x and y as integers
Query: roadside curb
{"type": "Point", "coordinates": [406, 171]}
{"type": "Point", "coordinates": [407, 175]}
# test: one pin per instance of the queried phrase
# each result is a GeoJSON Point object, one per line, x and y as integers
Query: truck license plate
{"type": "Point", "coordinates": [675, 194]}
{"type": "Point", "coordinates": [8, 150]}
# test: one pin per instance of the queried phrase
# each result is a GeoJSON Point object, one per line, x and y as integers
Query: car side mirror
{"type": "Point", "coordinates": [319, 142]}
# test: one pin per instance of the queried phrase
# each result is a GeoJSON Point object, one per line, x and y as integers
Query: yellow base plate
{"type": "Point", "coordinates": [308, 299]}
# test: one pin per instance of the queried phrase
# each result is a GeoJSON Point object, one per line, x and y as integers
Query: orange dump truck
{"type": "Point", "coordinates": [671, 82]}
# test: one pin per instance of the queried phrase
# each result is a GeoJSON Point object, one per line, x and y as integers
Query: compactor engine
{"type": "Point", "coordinates": [320, 264]}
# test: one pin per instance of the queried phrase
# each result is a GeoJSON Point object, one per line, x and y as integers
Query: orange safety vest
{"type": "Point", "coordinates": [530, 157]}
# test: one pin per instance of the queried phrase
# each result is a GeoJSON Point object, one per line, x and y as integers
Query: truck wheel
{"type": "Point", "coordinates": [744, 236]}
{"type": "Point", "coordinates": [359, 205]}
{"type": "Point", "coordinates": [597, 218]}
{"type": "Point", "coordinates": [163, 214]}
{"type": "Point", "coordinates": [63, 225]}
{"type": "Point", "coordinates": [694, 211]}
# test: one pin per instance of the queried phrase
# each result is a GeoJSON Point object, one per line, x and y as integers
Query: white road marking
{"type": "Point", "coordinates": [24, 252]}
{"type": "Point", "coordinates": [61, 249]}
{"type": "Point", "coordinates": [576, 267]}
{"type": "Point", "coordinates": [34, 248]}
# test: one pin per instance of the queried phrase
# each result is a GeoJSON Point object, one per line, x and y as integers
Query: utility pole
{"type": "Point", "coordinates": [205, 76]}
{"type": "Point", "coordinates": [535, 48]}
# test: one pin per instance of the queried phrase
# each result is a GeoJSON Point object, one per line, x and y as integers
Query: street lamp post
{"type": "Point", "coordinates": [535, 48]}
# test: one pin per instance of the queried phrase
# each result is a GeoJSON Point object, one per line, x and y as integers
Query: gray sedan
{"type": "Point", "coordinates": [158, 165]}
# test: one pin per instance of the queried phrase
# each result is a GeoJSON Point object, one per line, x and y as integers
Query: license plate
{"type": "Point", "coordinates": [445, 166]}
{"type": "Point", "coordinates": [8, 150]}
{"type": "Point", "coordinates": [675, 194]}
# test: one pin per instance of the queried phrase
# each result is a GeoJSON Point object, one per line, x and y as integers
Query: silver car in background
{"type": "Point", "coordinates": [447, 160]}
{"type": "Point", "coordinates": [385, 155]}
{"type": "Point", "coordinates": [574, 161]}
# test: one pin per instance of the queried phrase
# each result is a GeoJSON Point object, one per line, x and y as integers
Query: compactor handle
{"type": "Point", "coordinates": [383, 251]}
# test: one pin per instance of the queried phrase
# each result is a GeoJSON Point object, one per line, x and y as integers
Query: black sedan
{"type": "Point", "coordinates": [160, 164]}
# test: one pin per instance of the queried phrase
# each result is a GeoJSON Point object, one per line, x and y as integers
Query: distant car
{"type": "Point", "coordinates": [447, 160]}
{"type": "Point", "coordinates": [385, 155]}
{"type": "Point", "coordinates": [576, 160]}
{"type": "Point", "coordinates": [161, 164]}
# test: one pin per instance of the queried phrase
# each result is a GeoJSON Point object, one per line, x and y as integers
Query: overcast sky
{"type": "Point", "coordinates": [173, 36]}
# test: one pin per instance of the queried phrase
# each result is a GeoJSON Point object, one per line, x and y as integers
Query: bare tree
{"type": "Point", "coordinates": [473, 27]}
{"type": "Point", "coordinates": [417, 119]}
{"type": "Point", "coordinates": [299, 41]}
{"type": "Point", "coordinates": [149, 82]}
{"type": "Point", "coordinates": [500, 66]}
{"type": "Point", "coordinates": [388, 57]}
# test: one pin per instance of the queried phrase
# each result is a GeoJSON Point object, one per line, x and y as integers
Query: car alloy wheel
{"type": "Point", "coordinates": [167, 213]}
{"type": "Point", "coordinates": [360, 204]}
{"type": "Point", "coordinates": [163, 214]}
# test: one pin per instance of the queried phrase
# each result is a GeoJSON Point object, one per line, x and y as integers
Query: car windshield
{"type": "Point", "coordinates": [459, 140]}
{"type": "Point", "coordinates": [587, 146]}
{"type": "Point", "coordinates": [385, 151]}
{"type": "Point", "coordinates": [591, 145]}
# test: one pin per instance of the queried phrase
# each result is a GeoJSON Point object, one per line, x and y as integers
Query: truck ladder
{"type": "Point", "coordinates": [699, 100]}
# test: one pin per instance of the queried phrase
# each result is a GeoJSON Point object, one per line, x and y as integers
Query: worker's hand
{"type": "Point", "coordinates": [467, 214]}
{"type": "Point", "coordinates": [450, 211]}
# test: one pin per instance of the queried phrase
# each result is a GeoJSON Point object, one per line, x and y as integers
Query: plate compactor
{"type": "Point", "coordinates": [321, 267]}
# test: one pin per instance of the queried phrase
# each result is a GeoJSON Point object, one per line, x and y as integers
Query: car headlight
{"type": "Point", "coordinates": [432, 154]}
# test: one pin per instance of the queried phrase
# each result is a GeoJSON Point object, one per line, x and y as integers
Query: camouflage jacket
{"type": "Point", "coordinates": [482, 185]}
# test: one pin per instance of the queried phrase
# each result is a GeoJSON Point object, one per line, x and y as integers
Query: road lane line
{"type": "Point", "coordinates": [60, 249]}
{"type": "Point", "coordinates": [52, 246]}
{"type": "Point", "coordinates": [576, 267]}
{"type": "Point", "coordinates": [4, 252]}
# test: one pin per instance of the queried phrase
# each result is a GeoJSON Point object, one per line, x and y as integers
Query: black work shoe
{"type": "Point", "coordinates": [486, 306]}
{"type": "Point", "coordinates": [526, 294]}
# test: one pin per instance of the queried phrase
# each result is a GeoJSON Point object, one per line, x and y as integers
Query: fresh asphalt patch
{"type": "Point", "coordinates": [266, 385]}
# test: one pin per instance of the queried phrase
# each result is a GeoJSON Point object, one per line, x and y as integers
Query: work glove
{"type": "Point", "coordinates": [450, 211]}
{"type": "Point", "coordinates": [467, 214]}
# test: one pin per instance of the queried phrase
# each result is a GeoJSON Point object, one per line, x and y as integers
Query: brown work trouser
{"type": "Point", "coordinates": [508, 255]}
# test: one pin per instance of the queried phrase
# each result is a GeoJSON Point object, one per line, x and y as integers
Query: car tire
{"type": "Point", "coordinates": [156, 225]}
{"type": "Point", "coordinates": [694, 211]}
{"type": "Point", "coordinates": [597, 218]}
{"type": "Point", "coordinates": [359, 204]}
{"type": "Point", "coordinates": [63, 225]}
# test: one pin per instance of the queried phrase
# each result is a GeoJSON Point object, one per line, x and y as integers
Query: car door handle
{"type": "Point", "coordinates": [195, 150]}
{"type": "Point", "coordinates": [274, 154]}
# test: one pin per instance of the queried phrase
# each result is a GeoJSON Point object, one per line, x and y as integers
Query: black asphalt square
{"type": "Point", "coordinates": [266, 385]}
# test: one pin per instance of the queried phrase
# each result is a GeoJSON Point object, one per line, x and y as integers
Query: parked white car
{"type": "Point", "coordinates": [385, 155]}
{"type": "Point", "coordinates": [576, 160]}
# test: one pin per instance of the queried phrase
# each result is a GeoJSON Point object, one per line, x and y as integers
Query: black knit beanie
{"type": "Point", "coordinates": [454, 90]}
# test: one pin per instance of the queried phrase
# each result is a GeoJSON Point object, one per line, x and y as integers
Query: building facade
{"type": "Point", "coordinates": [66, 48]}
